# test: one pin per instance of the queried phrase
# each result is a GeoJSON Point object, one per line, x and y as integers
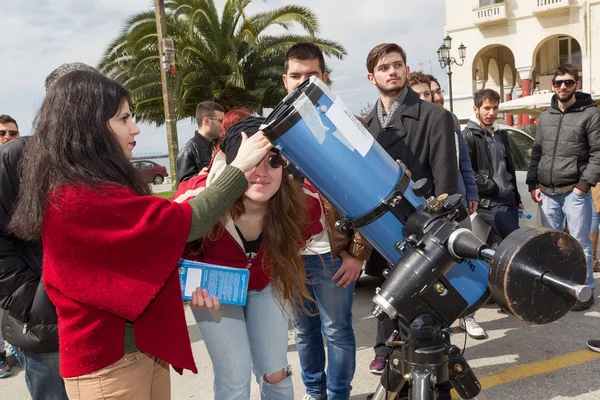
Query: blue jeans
{"type": "Point", "coordinates": [42, 375]}
{"type": "Point", "coordinates": [578, 211]}
{"type": "Point", "coordinates": [240, 340]}
{"type": "Point", "coordinates": [334, 320]}
{"type": "Point", "coordinates": [595, 221]}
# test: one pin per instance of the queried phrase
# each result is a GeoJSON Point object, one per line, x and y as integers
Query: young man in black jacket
{"type": "Point", "coordinates": [419, 133]}
{"type": "Point", "coordinates": [565, 162]}
{"type": "Point", "coordinates": [493, 165]}
{"type": "Point", "coordinates": [198, 151]}
{"type": "Point", "coordinates": [30, 321]}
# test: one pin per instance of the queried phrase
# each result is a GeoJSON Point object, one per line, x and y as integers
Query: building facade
{"type": "Point", "coordinates": [513, 46]}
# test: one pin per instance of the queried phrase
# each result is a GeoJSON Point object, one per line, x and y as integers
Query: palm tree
{"type": "Point", "coordinates": [230, 60]}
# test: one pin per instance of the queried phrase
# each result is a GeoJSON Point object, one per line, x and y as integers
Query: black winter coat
{"type": "Point", "coordinates": [421, 135]}
{"type": "Point", "coordinates": [30, 320]}
{"type": "Point", "coordinates": [482, 165]}
{"type": "Point", "coordinates": [567, 146]}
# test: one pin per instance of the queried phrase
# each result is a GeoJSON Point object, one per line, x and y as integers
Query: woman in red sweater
{"type": "Point", "coordinates": [264, 232]}
{"type": "Point", "coordinates": [111, 249]}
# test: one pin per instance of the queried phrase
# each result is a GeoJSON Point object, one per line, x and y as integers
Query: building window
{"type": "Point", "coordinates": [569, 51]}
{"type": "Point", "coordinates": [575, 53]}
{"type": "Point", "coordinates": [485, 3]}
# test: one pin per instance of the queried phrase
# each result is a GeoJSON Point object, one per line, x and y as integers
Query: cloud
{"type": "Point", "coordinates": [38, 35]}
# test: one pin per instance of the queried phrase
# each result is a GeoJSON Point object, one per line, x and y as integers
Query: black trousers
{"type": "Point", "coordinates": [502, 215]}
{"type": "Point", "coordinates": [385, 329]}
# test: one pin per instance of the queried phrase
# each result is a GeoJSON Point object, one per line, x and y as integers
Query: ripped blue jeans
{"type": "Point", "coordinates": [242, 340]}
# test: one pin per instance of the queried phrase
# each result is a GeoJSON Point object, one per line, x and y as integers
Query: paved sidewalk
{"type": "Point", "coordinates": [517, 361]}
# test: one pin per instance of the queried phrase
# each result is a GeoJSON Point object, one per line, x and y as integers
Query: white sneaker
{"type": "Point", "coordinates": [309, 397]}
{"type": "Point", "coordinates": [472, 327]}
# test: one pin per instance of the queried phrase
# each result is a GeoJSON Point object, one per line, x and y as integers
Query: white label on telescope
{"type": "Point", "coordinates": [310, 116]}
{"type": "Point", "coordinates": [348, 127]}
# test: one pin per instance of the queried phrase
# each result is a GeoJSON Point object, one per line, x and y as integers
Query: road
{"type": "Point", "coordinates": [517, 361]}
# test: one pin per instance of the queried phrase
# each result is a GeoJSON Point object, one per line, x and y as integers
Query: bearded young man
{"type": "Point", "coordinates": [493, 165]}
{"type": "Point", "coordinates": [333, 262]}
{"type": "Point", "coordinates": [565, 162]}
{"type": "Point", "coordinates": [416, 132]}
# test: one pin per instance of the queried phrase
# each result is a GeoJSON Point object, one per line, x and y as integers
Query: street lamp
{"type": "Point", "coordinates": [447, 61]}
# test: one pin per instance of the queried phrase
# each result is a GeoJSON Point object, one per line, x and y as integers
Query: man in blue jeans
{"type": "Point", "coordinates": [333, 263]}
{"type": "Point", "coordinates": [565, 162]}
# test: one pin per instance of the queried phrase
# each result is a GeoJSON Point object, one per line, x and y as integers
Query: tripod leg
{"type": "Point", "coordinates": [421, 387]}
{"type": "Point", "coordinates": [392, 381]}
{"type": "Point", "coordinates": [383, 394]}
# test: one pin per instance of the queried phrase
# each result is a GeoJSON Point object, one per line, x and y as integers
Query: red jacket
{"type": "Point", "coordinates": [228, 248]}
{"type": "Point", "coordinates": [110, 256]}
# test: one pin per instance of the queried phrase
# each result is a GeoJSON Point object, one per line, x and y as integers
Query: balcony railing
{"type": "Point", "coordinates": [492, 14]}
{"type": "Point", "coordinates": [548, 6]}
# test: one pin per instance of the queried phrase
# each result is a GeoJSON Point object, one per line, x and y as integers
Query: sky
{"type": "Point", "coordinates": [36, 36]}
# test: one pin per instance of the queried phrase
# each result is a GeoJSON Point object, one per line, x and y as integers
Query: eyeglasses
{"type": "Point", "coordinates": [568, 83]}
{"type": "Point", "coordinates": [275, 161]}
{"type": "Point", "coordinates": [219, 120]}
{"type": "Point", "coordinates": [3, 132]}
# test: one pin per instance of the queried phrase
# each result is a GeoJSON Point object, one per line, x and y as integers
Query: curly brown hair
{"type": "Point", "coordinates": [417, 77]}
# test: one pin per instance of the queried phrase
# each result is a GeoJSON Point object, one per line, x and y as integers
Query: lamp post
{"type": "Point", "coordinates": [447, 61]}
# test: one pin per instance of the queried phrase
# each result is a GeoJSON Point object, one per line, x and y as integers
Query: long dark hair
{"type": "Point", "coordinates": [72, 144]}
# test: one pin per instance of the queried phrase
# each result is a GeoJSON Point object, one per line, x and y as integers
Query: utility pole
{"type": "Point", "coordinates": [167, 67]}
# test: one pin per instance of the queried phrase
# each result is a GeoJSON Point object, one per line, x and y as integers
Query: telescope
{"type": "Point", "coordinates": [439, 270]}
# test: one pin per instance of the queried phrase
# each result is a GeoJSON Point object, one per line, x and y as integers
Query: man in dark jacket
{"type": "Point", "coordinates": [418, 133]}
{"type": "Point", "coordinates": [30, 321]}
{"type": "Point", "coordinates": [198, 151]}
{"type": "Point", "coordinates": [493, 165]}
{"type": "Point", "coordinates": [565, 162]}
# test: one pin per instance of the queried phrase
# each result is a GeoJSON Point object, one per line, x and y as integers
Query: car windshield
{"type": "Point", "coordinates": [520, 146]}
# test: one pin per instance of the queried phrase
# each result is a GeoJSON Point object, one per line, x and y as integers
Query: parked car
{"type": "Point", "coordinates": [151, 171]}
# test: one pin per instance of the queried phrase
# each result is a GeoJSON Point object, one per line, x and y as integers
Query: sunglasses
{"type": "Point", "coordinates": [568, 83]}
{"type": "Point", "coordinates": [3, 132]}
{"type": "Point", "coordinates": [275, 161]}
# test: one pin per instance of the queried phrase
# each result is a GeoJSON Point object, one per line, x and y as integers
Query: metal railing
{"type": "Point", "coordinates": [491, 13]}
{"type": "Point", "coordinates": [545, 3]}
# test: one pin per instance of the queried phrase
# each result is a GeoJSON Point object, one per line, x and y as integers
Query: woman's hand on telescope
{"type": "Point", "coordinates": [201, 299]}
{"type": "Point", "coordinates": [349, 271]}
{"type": "Point", "coordinates": [252, 151]}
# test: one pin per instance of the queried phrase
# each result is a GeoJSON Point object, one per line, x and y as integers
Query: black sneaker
{"type": "Point", "coordinates": [584, 305]}
{"type": "Point", "coordinates": [594, 345]}
{"type": "Point", "coordinates": [4, 367]}
{"type": "Point", "coordinates": [378, 365]}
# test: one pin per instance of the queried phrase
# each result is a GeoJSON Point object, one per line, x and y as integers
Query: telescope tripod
{"type": "Point", "coordinates": [425, 359]}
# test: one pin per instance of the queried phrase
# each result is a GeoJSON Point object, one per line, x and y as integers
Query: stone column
{"type": "Point", "coordinates": [508, 118]}
{"type": "Point", "coordinates": [525, 73]}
